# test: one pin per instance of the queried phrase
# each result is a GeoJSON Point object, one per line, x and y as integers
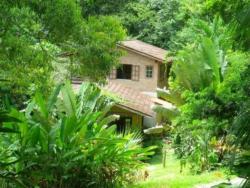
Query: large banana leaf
{"type": "Point", "coordinates": [82, 92]}
{"type": "Point", "coordinates": [68, 99]}
{"type": "Point", "coordinates": [198, 67]}
{"type": "Point", "coordinates": [210, 58]}
{"type": "Point", "coordinates": [53, 97]}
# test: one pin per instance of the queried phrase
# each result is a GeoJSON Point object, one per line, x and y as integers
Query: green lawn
{"type": "Point", "coordinates": [170, 177]}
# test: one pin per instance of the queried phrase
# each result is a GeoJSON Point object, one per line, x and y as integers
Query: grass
{"type": "Point", "coordinates": [170, 176]}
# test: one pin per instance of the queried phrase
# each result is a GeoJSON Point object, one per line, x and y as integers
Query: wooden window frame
{"type": "Point", "coordinates": [112, 74]}
{"type": "Point", "coordinates": [135, 72]}
{"type": "Point", "coordinates": [149, 71]}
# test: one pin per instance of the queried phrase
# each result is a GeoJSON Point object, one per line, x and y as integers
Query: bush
{"type": "Point", "coordinates": [66, 142]}
{"type": "Point", "coordinates": [153, 140]}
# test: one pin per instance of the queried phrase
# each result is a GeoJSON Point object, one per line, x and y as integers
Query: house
{"type": "Point", "coordinates": [143, 67]}
{"type": "Point", "coordinates": [142, 70]}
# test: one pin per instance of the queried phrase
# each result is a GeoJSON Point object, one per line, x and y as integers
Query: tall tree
{"type": "Point", "coordinates": [154, 21]}
{"type": "Point", "coordinates": [36, 34]}
{"type": "Point", "coordinates": [103, 7]}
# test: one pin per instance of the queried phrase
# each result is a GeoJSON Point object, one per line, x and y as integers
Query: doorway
{"type": "Point", "coordinates": [123, 124]}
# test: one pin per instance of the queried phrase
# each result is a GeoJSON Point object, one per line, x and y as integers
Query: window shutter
{"type": "Point", "coordinates": [112, 74]}
{"type": "Point", "coordinates": [136, 73]}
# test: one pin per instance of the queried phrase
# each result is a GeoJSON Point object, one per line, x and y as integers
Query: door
{"type": "Point", "coordinates": [123, 124]}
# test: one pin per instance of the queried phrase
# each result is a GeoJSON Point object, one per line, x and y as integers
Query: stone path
{"type": "Point", "coordinates": [235, 183]}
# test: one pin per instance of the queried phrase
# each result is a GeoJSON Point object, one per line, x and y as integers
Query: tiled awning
{"type": "Point", "coordinates": [131, 98]}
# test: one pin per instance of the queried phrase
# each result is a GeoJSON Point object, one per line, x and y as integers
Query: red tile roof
{"type": "Point", "coordinates": [145, 49]}
{"type": "Point", "coordinates": [131, 99]}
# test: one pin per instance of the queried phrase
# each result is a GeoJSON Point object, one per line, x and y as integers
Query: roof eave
{"type": "Point", "coordinates": [133, 110]}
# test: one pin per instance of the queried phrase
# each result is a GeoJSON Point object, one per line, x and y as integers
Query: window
{"type": "Point", "coordinates": [149, 71]}
{"type": "Point", "coordinates": [124, 72]}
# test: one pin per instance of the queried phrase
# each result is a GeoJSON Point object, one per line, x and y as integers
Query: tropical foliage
{"type": "Point", "coordinates": [209, 119]}
{"type": "Point", "coordinates": [154, 21]}
{"type": "Point", "coordinates": [63, 139]}
{"type": "Point", "coordinates": [68, 141]}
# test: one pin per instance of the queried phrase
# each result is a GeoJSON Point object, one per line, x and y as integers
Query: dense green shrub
{"type": "Point", "coordinates": [201, 131]}
{"type": "Point", "coordinates": [67, 142]}
{"type": "Point", "coordinates": [153, 140]}
{"type": "Point", "coordinates": [212, 123]}
{"type": "Point", "coordinates": [210, 90]}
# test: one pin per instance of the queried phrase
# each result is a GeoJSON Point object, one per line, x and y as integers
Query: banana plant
{"type": "Point", "coordinates": [196, 69]}
{"type": "Point", "coordinates": [193, 70]}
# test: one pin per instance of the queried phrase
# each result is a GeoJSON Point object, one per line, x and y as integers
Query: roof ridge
{"type": "Point", "coordinates": [140, 41]}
